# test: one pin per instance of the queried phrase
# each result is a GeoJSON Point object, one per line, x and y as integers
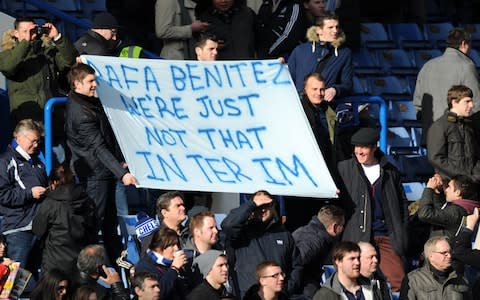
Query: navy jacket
{"type": "Point", "coordinates": [250, 243]}
{"type": "Point", "coordinates": [17, 177]}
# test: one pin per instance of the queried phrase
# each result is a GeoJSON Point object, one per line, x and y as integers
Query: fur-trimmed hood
{"type": "Point", "coordinates": [312, 36]}
{"type": "Point", "coordinates": [9, 41]}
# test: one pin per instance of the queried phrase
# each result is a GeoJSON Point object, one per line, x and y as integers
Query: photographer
{"type": "Point", "coordinates": [31, 59]}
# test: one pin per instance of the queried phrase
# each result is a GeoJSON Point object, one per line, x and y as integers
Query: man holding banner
{"type": "Point", "coordinates": [95, 151]}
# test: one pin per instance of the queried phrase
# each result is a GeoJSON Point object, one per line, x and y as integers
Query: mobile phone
{"type": "Point", "coordinates": [101, 272]}
{"type": "Point", "coordinates": [189, 253]}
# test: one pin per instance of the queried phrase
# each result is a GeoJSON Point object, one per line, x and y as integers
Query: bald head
{"type": "Point", "coordinates": [368, 259]}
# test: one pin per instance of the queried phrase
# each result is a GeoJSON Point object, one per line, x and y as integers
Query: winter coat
{"type": "Point", "coordinates": [358, 203]}
{"type": "Point", "coordinates": [453, 148]}
{"type": "Point", "coordinates": [172, 286]}
{"type": "Point", "coordinates": [446, 220]}
{"type": "Point", "coordinates": [235, 28]}
{"type": "Point", "coordinates": [439, 74]}
{"type": "Point", "coordinates": [334, 59]}
{"type": "Point", "coordinates": [462, 249]}
{"type": "Point", "coordinates": [92, 43]}
{"type": "Point", "coordinates": [32, 68]}
{"type": "Point", "coordinates": [278, 32]}
{"type": "Point", "coordinates": [205, 291]}
{"type": "Point", "coordinates": [314, 244]}
{"type": "Point", "coordinates": [17, 177]}
{"type": "Point", "coordinates": [66, 222]}
{"type": "Point", "coordinates": [171, 30]}
{"type": "Point", "coordinates": [252, 294]}
{"type": "Point", "coordinates": [115, 292]}
{"type": "Point", "coordinates": [332, 290]}
{"type": "Point", "coordinates": [90, 138]}
{"type": "Point", "coordinates": [421, 284]}
{"type": "Point", "coordinates": [250, 242]}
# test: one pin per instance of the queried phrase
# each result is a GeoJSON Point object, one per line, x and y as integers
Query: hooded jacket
{"type": "Point", "coordinates": [445, 217]}
{"type": "Point", "coordinates": [336, 60]}
{"type": "Point", "coordinates": [32, 67]}
{"type": "Point", "coordinates": [332, 290]}
{"type": "Point", "coordinates": [66, 222]}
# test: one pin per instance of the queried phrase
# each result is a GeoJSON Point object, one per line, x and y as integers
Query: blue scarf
{"type": "Point", "coordinates": [159, 259]}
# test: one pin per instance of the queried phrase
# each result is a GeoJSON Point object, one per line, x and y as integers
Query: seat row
{"type": "Point", "coordinates": [80, 8]}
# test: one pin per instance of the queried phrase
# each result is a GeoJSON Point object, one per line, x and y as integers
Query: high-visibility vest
{"type": "Point", "coordinates": [131, 52]}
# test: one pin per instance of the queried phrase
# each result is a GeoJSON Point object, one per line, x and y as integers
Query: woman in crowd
{"type": "Point", "coordinates": [85, 293]}
{"type": "Point", "coordinates": [52, 286]}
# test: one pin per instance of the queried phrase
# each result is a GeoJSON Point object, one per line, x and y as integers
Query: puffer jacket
{"type": "Point", "coordinates": [358, 203]}
{"type": "Point", "coordinates": [453, 146]}
{"type": "Point", "coordinates": [421, 284]}
{"type": "Point", "coordinates": [32, 68]}
{"type": "Point", "coordinates": [338, 68]}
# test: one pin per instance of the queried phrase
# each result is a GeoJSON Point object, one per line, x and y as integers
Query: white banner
{"type": "Point", "coordinates": [224, 126]}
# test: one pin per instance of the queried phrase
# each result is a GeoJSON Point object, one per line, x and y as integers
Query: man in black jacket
{"type": "Point", "coordinates": [375, 203]}
{"type": "Point", "coordinates": [95, 153]}
{"type": "Point", "coordinates": [253, 235]}
{"type": "Point", "coordinates": [314, 242]}
{"type": "Point", "coordinates": [101, 39]}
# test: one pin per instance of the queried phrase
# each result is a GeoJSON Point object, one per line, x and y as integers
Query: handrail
{"type": "Point", "coordinates": [48, 111]}
{"type": "Point", "coordinates": [382, 114]}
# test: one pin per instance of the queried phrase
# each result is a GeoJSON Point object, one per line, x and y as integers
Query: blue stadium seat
{"type": "Point", "coordinates": [437, 33]}
{"type": "Point", "coordinates": [19, 7]}
{"type": "Point", "coordinates": [475, 56]}
{"type": "Point", "coordinates": [328, 270]}
{"type": "Point", "coordinates": [374, 35]}
{"type": "Point", "coordinates": [404, 113]}
{"type": "Point", "coordinates": [365, 63]}
{"type": "Point", "coordinates": [389, 87]}
{"type": "Point", "coordinates": [398, 137]}
{"type": "Point", "coordinates": [474, 30]}
{"type": "Point", "coordinates": [359, 85]}
{"type": "Point", "coordinates": [395, 61]}
{"type": "Point", "coordinates": [408, 35]}
{"type": "Point", "coordinates": [413, 190]}
{"type": "Point", "coordinates": [421, 56]}
{"type": "Point", "coordinates": [68, 6]}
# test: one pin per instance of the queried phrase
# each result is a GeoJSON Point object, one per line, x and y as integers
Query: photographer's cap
{"type": "Point", "coordinates": [145, 225]}
{"type": "Point", "coordinates": [104, 21]}
{"type": "Point", "coordinates": [206, 260]}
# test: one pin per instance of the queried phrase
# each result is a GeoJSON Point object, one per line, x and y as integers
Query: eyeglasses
{"type": "Point", "coordinates": [265, 206]}
{"type": "Point", "coordinates": [275, 276]}
{"type": "Point", "coordinates": [62, 288]}
{"type": "Point", "coordinates": [444, 253]}
{"type": "Point", "coordinates": [33, 141]}
{"type": "Point", "coordinates": [114, 31]}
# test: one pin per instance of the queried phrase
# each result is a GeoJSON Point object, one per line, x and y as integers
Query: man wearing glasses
{"type": "Point", "coordinates": [271, 279]}
{"type": "Point", "coordinates": [255, 234]}
{"type": "Point", "coordinates": [23, 182]}
{"type": "Point", "coordinates": [101, 39]}
{"type": "Point", "coordinates": [436, 279]}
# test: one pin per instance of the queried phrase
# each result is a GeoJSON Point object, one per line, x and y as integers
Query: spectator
{"type": "Point", "coordinates": [203, 237]}
{"type": "Point", "coordinates": [101, 39]}
{"type": "Point", "coordinates": [254, 233]}
{"type": "Point", "coordinates": [321, 116]}
{"type": "Point", "coordinates": [270, 283]}
{"type": "Point", "coordinates": [175, 24]}
{"type": "Point", "coordinates": [32, 56]}
{"type": "Point", "coordinates": [94, 274]}
{"type": "Point", "coordinates": [436, 279]}
{"type": "Point", "coordinates": [281, 26]}
{"type": "Point", "coordinates": [23, 184]}
{"type": "Point", "coordinates": [166, 261]}
{"type": "Point", "coordinates": [375, 204]}
{"type": "Point", "coordinates": [233, 23]}
{"type": "Point", "coordinates": [460, 200]}
{"type": "Point", "coordinates": [54, 285]}
{"type": "Point", "coordinates": [369, 273]}
{"type": "Point", "coordinates": [145, 286]}
{"type": "Point", "coordinates": [206, 48]}
{"type": "Point", "coordinates": [436, 77]}
{"type": "Point", "coordinates": [452, 140]}
{"type": "Point", "coordinates": [95, 160]}
{"type": "Point", "coordinates": [214, 267]}
{"type": "Point", "coordinates": [171, 213]}
{"type": "Point", "coordinates": [65, 222]}
{"type": "Point", "coordinates": [85, 293]}
{"type": "Point", "coordinates": [4, 262]}
{"type": "Point", "coordinates": [344, 284]}
{"type": "Point", "coordinates": [314, 242]}
{"type": "Point", "coordinates": [324, 54]}
{"type": "Point", "coordinates": [313, 10]}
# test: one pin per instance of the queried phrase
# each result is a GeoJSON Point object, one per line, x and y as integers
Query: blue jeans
{"type": "Point", "coordinates": [19, 245]}
{"type": "Point", "coordinates": [121, 198]}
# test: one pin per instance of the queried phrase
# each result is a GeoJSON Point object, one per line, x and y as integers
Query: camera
{"type": "Point", "coordinates": [39, 31]}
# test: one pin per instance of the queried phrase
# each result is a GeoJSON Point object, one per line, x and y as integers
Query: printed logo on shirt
{"type": "Point", "coordinates": [279, 242]}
